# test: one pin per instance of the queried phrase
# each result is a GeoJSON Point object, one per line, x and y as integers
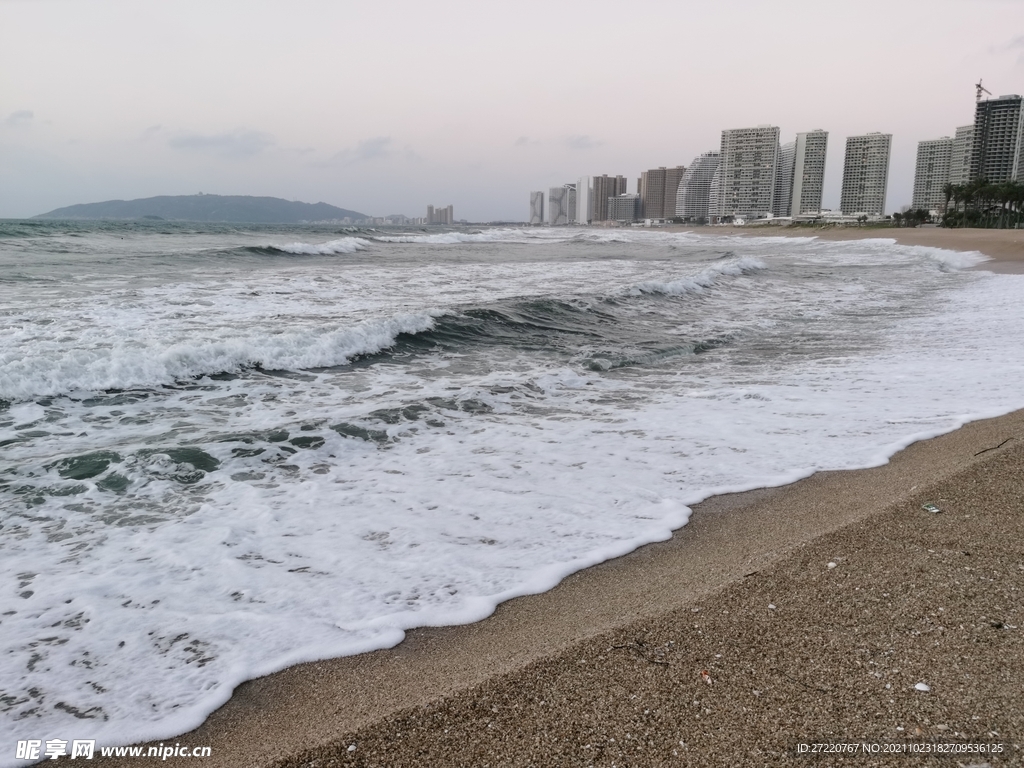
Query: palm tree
{"type": "Point", "coordinates": [947, 190]}
{"type": "Point", "coordinates": [958, 195]}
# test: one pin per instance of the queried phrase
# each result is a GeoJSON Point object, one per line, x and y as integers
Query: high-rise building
{"type": "Point", "coordinates": [572, 202]}
{"type": "Point", "coordinates": [584, 200]}
{"type": "Point", "coordinates": [931, 174]}
{"type": "Point", "coordinates": [558, 206]}
{"type": "Point", "coordinates": [715, 196]}
{"type": "Point", "coordinates": [747, 168]}
{"type": "Point", "coordinates": [536, 208]}
{"type": "Point", "coordinates": [695, 187]}
{"type": "Point", "coordinates": [960, 160]}
{"type": "Point", "coordinates": [444, 215]}
{"type": "Point", "coordinates": [657, 189]}
{"type": "Point", "coordinates": [998, 140]}
{"type": "Point", "coordinates": [808, 172]}
{"type": "Point", "coordinates": [605, 187]}
{"type": "Point", "coordinates": [651, 188]}
{"type": "Point", "coordinates": [865, 174]}
{"type": "Point", "coordinates": [784, 179]}
{"type": "Point", "coordinates": [624, 208]}
{"type": "Point", "coordinates": [673, 176]}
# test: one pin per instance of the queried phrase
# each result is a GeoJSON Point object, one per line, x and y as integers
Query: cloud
{"type": "Point", "coordinates": [525, 141]}
{"type": "Point", "coordinates": [367, 151]}
{"type": "Point", "coordinates": [239, 143]}
{"type": "Point", "coordinates": [371, 149]}
{"type": "Point", "coordinates": [21, 117]}
{"type": "Point", "coordinates": [581, 142]}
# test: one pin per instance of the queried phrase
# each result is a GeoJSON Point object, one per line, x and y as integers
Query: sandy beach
{"type": "Point", "coordinates": [838, 608]}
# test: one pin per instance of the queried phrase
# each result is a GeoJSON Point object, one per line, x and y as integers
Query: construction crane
{"type": "Point", "coordinates": [981, 89]}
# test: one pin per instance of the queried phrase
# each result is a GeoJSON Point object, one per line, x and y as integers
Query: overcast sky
{"type": "Point", "coordinates": [384, 107]}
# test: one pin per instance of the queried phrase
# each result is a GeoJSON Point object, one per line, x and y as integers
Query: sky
{"type": "Point", "coordinates": [389, 106]}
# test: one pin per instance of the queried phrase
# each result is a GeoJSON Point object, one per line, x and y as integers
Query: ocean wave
{"type": "Point", "coordinates": [703, 280]}
{"type": "Point", "coordinates": [954, 259]}
{"type": "Point", "coordinates": [330, 248]}
{"type": "Point", "coordinates": [134, 367]}
{"type": "Point", "coordinates": [455, 238]}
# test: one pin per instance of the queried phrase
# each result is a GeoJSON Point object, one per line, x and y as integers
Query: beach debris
{"type": "Point", "coordinates": [351, 747]}
{"type": "Point", "coordinates": [986, 450]}
{"type": "Point", "coordinates": [706, 677]}
{"type": "Point", "coordinates": [771, 606]}
{"type": "Point", "coordinates": [923, 687]}
{"type": "Point", "coordinates": [832, 564]}
{"type": "Point", "coordinates": [930, 508]}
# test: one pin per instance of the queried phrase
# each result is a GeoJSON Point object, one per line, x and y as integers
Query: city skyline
{"type": "Point", "coordinates": [317, 102]}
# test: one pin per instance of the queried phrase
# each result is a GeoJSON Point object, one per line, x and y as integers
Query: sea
{"type": "Point", "coordinates": [227, 449]}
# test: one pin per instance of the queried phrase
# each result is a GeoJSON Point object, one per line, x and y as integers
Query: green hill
{"type": "Point", "coordinates": [222, 208]}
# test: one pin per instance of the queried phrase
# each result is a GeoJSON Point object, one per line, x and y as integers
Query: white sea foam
{"type": "Point", "coordinates": [330, 248]}
{"type": "Point", "coordinates": [457, 238]}
{"type": "Point", "coordinates": [146, 605]}
{"type": "Point", "coordinates": [130, 365]}
{"type": "Point", "coordinates": [702, 280]}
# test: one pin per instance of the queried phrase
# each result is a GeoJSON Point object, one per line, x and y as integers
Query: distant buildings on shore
{"type": "Point", "coordinates": [992, 149]}
{"type": "Point", "coordinates": [865, 174]}
{"type": "Point", "coordinates": [808, 172]}
{"type": "Point", "coordinates": [444, 215]}
{"type": "Point", "coordinates": [750, 177]}
{"type": "Point", "coordinates": [753, 176]}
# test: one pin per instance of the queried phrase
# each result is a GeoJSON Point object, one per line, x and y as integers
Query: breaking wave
{"type": "Point", "coordinates": [125, 367]}
{"type": "Point", "coordinates": [702, 281]}
{"type": "Point", "coordinates": [330, 248]}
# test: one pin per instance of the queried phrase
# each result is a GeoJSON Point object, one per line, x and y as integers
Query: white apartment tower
{"type": "Point", "coordinates": [784, 179]}
{"type": "Point", "coordinates": [695, 188]}
{"type": "Point", "coordinates": [536, 208]}
{"type": "Point", "coordinates": [584, 200]}
{"type": "Point", "coordinates": [865, 174]}
{"type": "Point", "coordinates": [809, 171]}
{"type": "Point", "coordinates": [747, 171]}
{"type": "Point", "coordinates": [960, 160]}
{"type": "Point", "coordinates": [931, 174]}
{"type": "Point", "coordinates": [715, 195]}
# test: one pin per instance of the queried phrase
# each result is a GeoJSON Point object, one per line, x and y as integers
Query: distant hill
{"type": "Point", "coordinates": [233, 208]}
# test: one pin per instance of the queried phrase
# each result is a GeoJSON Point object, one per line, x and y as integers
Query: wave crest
{"type": "Point", "coordinates": [330, 248]}
{"type": "Point", "coordinates": [744, 265]}
{"type": "Point", "coordinates": [144, 366]}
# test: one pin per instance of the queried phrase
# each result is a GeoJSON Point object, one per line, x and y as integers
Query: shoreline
{"type": "Point", "coordinates": [1005, 247]}
{"type": "Point", "coordinates": [278, 719]}
{"type": "Point", "coordinates": [315, 710]}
